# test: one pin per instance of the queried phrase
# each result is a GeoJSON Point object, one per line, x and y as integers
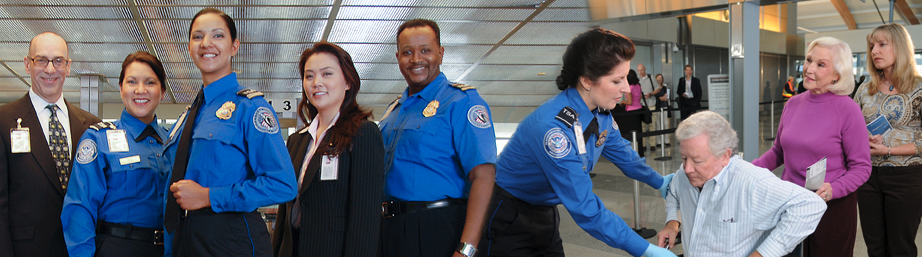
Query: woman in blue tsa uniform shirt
{"type": "Point", "coordinates": [114, 204]}
{"type": "Point", "coordinates": [548, 159]}
{"type": "Point", "coordinates": [230, 157]}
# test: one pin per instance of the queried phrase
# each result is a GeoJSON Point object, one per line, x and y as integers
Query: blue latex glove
{"type": "Point", "coordinates": [656, 251]}
{"type": "Point", "coordinates": [665, 186]}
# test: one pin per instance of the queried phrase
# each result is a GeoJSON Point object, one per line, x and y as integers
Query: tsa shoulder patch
{"type": "Point", "coordinates": [556, 143]}
{"type": "Point", "coordinates": [264, 120]}
{"type": "Point", "coordinates": [86, 151]}
{"type": "Point", "coordinates": [479, 117]}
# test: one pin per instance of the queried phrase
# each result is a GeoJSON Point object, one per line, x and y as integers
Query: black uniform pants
{"type": "Point", "coordinates": [433, 232]}
{"type": "Point", "coordinates": [107, 245]}
{"type": "Point", "coordinates": [890, 208]}
{"type": "Point", "coordinates": [517, 228]}
{"type": "Point", "coordinates": [206, 233]}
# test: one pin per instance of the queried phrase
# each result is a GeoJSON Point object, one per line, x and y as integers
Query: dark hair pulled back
{"type": "Point", "coordinates": [593, 54]}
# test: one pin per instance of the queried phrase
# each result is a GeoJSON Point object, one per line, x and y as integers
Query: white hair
{"type": "Point", "coordinates": [841, 63]}
{"type": "Point", "coordinates": [721, 135]}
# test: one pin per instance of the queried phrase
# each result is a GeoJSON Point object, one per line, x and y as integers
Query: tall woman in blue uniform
{"type": "Point", "coordinates": [340, 155]}
{"type": "Point", "coordinates": [548, 159]}
{"type": "Point", "coordinates": [230, 157]}
{"type": "Point", "coordinates": [120, 174]}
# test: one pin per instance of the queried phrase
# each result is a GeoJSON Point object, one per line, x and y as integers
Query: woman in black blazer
{"type": "Point", "coordinates": [339, 161]}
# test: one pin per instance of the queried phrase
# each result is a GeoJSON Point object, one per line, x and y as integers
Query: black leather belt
{"type": "Point", "coordinates": [130, 232]}
{"type": "Point", "coordinates": [392, 208]}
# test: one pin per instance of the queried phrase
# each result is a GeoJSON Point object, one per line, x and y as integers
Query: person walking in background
{"type": "Point", "coordinates": [340, 160]}
{"type": "Point", "coordinates": [890, 203]}
{"type": "Point", "coordinates": [824, 125]}
{"type": "Point", "coordinates": [688, 91]}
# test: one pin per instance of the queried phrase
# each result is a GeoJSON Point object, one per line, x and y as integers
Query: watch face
{"type": "Point", "coordinates": [467, 249]}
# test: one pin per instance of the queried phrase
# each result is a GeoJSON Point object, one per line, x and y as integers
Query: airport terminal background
{"type": "Point", "coordinates": [508, 49]}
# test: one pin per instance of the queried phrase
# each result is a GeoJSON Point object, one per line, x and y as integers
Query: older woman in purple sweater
{"type": "Point", "coordinates": [825, 123]}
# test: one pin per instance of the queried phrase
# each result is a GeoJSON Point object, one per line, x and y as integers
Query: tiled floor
{"type": "Point", "coordinates": [615, 190]}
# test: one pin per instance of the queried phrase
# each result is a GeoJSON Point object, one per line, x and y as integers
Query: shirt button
{"type": "Point", "coordinates": [158, 155]}
{"type": "Point", "coordinates": [210, 135]}
{"type": "Point", "coordinates": [152, 141]}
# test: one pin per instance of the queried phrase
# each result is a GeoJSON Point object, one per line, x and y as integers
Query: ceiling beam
{"type": "Point", "coordinates": [136, 15]}
{"type": "Point", "coordinates": [499, 43]}
{"type": "Point", "coordinates": [904, 9]}
{"type": "Point", "coordinates": [334, 11]}
{"type": "Point", "coordinates": [16, 73]}
{"type": "Point", "coordinates": [845, 13]}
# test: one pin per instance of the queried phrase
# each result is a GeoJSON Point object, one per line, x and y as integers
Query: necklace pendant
{"type": "Point", "coordinates": [891, 87]}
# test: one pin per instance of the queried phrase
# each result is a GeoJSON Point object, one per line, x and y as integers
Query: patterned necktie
{"type": "Point", "coordinates": [57, 142]}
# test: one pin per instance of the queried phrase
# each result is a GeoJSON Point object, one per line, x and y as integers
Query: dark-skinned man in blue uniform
{"type": "Point", "coordinates": [440, 155]}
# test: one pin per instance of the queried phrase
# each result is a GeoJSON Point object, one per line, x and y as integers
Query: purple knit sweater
{"type": "Point", "coordinates": [817, 126]}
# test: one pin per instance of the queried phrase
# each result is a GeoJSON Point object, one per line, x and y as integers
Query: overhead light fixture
{"type": "Point", "coordinates": [541, 73]}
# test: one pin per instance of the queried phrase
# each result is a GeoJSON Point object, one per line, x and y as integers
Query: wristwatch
{"type": "Point", "coordinates": [466, 249]}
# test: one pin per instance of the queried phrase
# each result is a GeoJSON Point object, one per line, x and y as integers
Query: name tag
{"type": "Point", "coordinates": [329, 168]}
{"type": "Point", "coordinates": [129, 160]}
{"type": "Point", "coordinates": [19, 140]}
{"type": "Point", "coordinates": [117, 141]}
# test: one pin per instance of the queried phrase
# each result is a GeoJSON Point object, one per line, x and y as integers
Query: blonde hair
{"type": "Point", "coordinates": [904, 77]}
{"type": "Point", "coordinates": [841, 63]}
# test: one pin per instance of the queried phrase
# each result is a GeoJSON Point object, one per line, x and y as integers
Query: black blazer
{"type": "Point", "coordinates": [695, 101]}
{"type": "Point", "coordinates": [338, 217]}
{"type": "Point", "coordinates": [31, 196]}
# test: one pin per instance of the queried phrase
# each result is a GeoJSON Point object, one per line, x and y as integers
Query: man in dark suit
{"type": "Point", "coordinates": [688, 90]}
{"type": "Point", "coordinates": [33, 180]}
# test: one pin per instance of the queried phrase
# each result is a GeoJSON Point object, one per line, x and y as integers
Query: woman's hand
{"type": "Point", "coordinates": [876, 139]}
{"type": "Point", "coordinates": [879, 149]}
{"type": "Point", "coordinates": [825, 192]}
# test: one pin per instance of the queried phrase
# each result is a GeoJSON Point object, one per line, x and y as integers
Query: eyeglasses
{"type": "Point", "coordinates": [43, 62]}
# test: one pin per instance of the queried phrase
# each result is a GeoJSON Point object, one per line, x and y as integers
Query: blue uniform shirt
{"type": "Point", "coordinates": [119, 187]}
{"type": "Point", "coordinates": [242, 159]}
{"type": "Point", "coordinates": [429, 158]}
{"type": "Point", "coordinates": [541, 165]}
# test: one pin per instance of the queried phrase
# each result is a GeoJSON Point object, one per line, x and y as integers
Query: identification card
{"type": "Point", "coordinates": [19, 140]}
{"type": "Point", "coordinates": [329, 168]}
{"type": "Point", "coordinates": [816, 175]}
{"type": "Point", "coordinates": [580, 141]}
{"type": "Point", "coordinates": [117, 141]}
{"type": "Point", "coordinates": [129, 160]}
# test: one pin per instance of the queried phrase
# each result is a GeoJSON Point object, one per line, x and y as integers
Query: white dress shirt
{"type": "Point", "coordinates": [44, 114]}
{"type": "Point", "coordinates": [743, 209]}
{"type": "Point", "coordinates": [315, 143]}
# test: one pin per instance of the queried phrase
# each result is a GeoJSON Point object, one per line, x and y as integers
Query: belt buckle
{"type": "Point", "coordinates": [158, 237]}
{"type": "Point", "coordinates": [387, 209]}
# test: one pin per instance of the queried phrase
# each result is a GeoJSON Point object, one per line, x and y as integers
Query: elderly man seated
{"type": "Point", "coordinates": [731, 207]}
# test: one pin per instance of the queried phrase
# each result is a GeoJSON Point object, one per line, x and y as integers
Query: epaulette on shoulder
{"type": "Point", "coordinates": [567, 115]}
{"type": "Point", "coordinates": [249, 93]}
{"type": "Point", "coordinates": [463, 87]}
{"type": "Point", "coordinates": [103, 125]}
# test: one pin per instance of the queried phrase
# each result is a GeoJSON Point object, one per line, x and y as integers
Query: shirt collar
{"type": "Point", "coordinates": [431, 91]}
{"type": "Point", "coordinates": [576, 102]}
{"type": "Point", "coordinates": [135, 127]}
{"type": "Point", "coordinates": [718, 179]}
{"type": "Point", "coordinates": [222, 86]}
{"type": "Point", "coordinates": [312, 129]}
{"type": "Point", "coordinates": [39, 103]}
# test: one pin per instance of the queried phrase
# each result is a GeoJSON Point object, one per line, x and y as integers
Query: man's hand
{"type": "Point", "coordinates": [755, 254]}
{"type": "Point", "coordinates": [190, 195]}
{"type": "Point", "coordinates": [668, 233]}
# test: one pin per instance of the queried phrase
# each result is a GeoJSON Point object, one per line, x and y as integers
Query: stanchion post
{"type": "Point", "coordinates": [642, 231]}
{"type": "Point", "coordinates": [662, 137]}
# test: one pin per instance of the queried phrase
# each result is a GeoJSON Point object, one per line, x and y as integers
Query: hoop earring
{"type": "Point", "coordinates": [834, 81]}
